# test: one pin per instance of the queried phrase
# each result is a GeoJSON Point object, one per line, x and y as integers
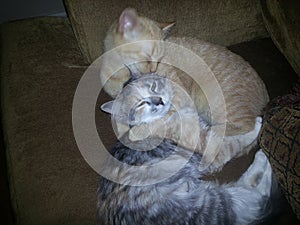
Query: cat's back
{"type": "Point", "coordinates": [169, 201]}
{"type": "Point", "coordinates": [119, 203]}
{"type": "Point", "coordinates": [244, 92]}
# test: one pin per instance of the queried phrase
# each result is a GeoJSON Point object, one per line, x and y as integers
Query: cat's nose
{"type": "Point", "coordinates": [156, 100]}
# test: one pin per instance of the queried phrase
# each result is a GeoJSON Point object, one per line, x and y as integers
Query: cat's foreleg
{"type": "Point", "coordinates": [216, 157]}
{"type": "Point", "coordinates": [178, 125]}
{"type": "Point", "coordinates": [253, 192]}
{"type": "Point", "coordinates": [258, 175]}
{"type": "Point", "coordinates": [145, 130]}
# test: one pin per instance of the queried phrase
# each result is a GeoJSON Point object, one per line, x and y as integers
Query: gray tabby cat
{"type": "Point", "coordinates": [183, 198]}
{"type": "Point", "coordinates": [152, 105]}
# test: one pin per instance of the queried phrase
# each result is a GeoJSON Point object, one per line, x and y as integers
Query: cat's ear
{"type": "Point", "coordinates": [166, 28]}
{"type": "Point", "coordinates": [134, 72]}
{"type": "Point", "coordinates": [107, 107]}
{"type": "Point", "coordinates": [128, 21]}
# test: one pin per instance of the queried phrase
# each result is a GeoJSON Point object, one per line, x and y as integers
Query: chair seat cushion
{"type": "Point", "coordinates": [50, 183]}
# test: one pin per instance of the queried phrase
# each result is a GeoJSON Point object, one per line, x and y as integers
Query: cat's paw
{"type": "Point", "coordinates": [139, 133]}
{"type": "Point", "coordinates": [252, 135]}
{"type": "Point", "coordinates": [258, 175]}
{"type": "Point", "coordinates": [258, 119]}
{"type": "Point", "coordinates": [258, 124]}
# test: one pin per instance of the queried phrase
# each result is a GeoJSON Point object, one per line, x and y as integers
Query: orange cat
{"type": "Point", "coordinates": [243, 91]}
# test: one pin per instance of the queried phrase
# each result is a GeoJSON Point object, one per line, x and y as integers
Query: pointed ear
{"type": "Point", "coordinates": [107, 107]}
{"type": "Point", "coordinates": [166, 28]}
{"type": "Point", "coordinates": [128, 20]}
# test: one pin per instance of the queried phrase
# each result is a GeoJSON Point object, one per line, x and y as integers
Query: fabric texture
{"type": "Point", "coordinates": [280, 140]}
{"type": "Point", "coordinates": [50, 183]}
{"type": "Point", "coordinates": [282, 20]}
{"type": "Point", "coordinates": [223, 22]}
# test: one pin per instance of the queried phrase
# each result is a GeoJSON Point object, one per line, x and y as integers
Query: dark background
{"type": "Point", "coordinates": [20, 9]}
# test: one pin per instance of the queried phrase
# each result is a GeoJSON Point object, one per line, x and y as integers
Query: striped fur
{"type": "Point", "coordinates": [183, 198]}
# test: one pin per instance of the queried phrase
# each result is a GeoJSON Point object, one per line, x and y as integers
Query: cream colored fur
{"type": "Point", "coordinates": [244, 92]}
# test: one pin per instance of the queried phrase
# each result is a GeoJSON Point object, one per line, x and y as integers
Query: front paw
{"type": "Point", "coordinates": [140, 132]}
{"type": "Point", "coordinates": [258, 124]}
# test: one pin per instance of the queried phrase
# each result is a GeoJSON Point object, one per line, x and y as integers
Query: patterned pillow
{"type": "Point", "coordinates": [280, 140]}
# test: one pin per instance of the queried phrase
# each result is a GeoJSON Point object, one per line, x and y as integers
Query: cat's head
{"type": "Point", "coordinates": [142, 100]}
{"type": "Point", "coordinates": [132, 28]}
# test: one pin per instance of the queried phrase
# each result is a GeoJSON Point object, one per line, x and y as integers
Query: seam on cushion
{"type": "Point", "coordinates": [76, 25]}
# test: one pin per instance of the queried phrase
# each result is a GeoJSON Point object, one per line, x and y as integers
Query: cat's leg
{"type": "Point", "coordinates": [252, 193]}
{"type": "Point", "coordinates": [258, 175]}
{"type": "Point", "coordinates": [232, 146]}
{"type": "Point", "coordinates": [155, 129]}
{"type": "Point", "coordinates": [177, 125]}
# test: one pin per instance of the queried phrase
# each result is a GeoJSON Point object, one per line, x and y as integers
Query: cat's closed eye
{"type": "Point", "coordinates": [153, 87]}
{"type": "Point", "coordinates": [143, 103]}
